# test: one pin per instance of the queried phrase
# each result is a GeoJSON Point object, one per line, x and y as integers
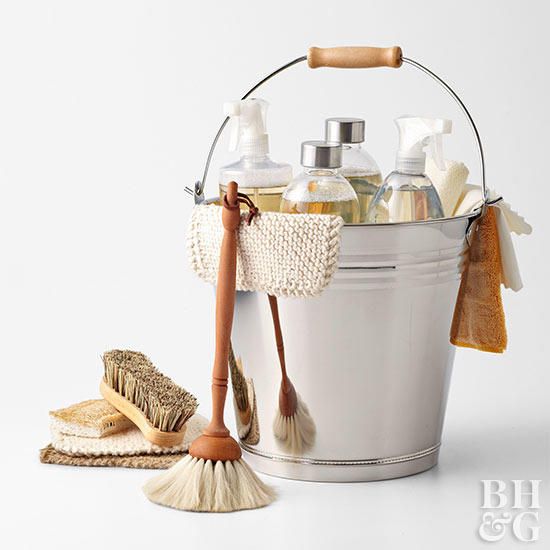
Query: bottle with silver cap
{"type": "Point", "coordinates": [320, 189]}
{"type": "Point", "coordinates": [358, 167]}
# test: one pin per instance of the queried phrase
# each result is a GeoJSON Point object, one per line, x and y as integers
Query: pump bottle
{"type": "Point", "coordinates": [407, 194]}
{"type": "Point", "coordinates": [257, 175]}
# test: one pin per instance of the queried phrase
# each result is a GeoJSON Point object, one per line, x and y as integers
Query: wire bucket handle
{"type": "Point", "coordinates": [352, 57]}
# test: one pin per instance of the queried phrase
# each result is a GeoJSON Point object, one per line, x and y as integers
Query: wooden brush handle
{"type": "Point", "coordinates": [225, 304]}
{"type": "Point", "coordinates": [355, 57]}
{"type": "Point", "coordinates": [273, 304]}
{"type": "Point", "coordinates": [288, 400]}
{"type": "Point", "coordinates": [134, 414]}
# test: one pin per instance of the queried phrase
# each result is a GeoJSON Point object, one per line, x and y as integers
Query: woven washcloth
{"type": "Point", "coordinates": [280, 254]}
{"type": "Point", "coordinates": [48, 455]}
{"type": "Point", "coordinates": [128, 443]}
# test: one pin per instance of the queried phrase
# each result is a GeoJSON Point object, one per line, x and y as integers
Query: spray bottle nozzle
{"type": "Point", "coordinates": [415, 133]}
{"type": "Point", "coordinates": [248, 126]}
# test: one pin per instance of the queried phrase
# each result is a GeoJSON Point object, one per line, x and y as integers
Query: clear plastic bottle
{"type": "Point", "coordinates": [407, 194]}
{"type": "Point", "coordinates": [358, 167]}
{"type": "Point", "coordinates": [257, 175]}
{"type": "Point", "coordinates": [320, 189]}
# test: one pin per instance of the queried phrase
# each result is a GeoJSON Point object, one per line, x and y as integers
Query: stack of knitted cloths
{"type": "Point", "coordinates": [93, 433]}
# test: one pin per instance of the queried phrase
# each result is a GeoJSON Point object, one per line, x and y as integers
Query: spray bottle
{"type": "Point", "coordinates": [407, 194]}
{"type": "Point", "coordinates": [257, 175]}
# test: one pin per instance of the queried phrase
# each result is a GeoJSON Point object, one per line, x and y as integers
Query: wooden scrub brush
{"type": "Point", "coordinates": [293, 426]}
{"type": "Point", "coordinates": [213, 477]}
{"type": "Point", "coordinates": [156, 405]}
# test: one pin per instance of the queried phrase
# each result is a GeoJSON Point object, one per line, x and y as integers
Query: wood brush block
{"type": "Point", "coordinates": [152, 401]}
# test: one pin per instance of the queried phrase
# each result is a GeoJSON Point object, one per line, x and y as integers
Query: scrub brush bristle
{"type": "Point", "coordinates": [158, 406]}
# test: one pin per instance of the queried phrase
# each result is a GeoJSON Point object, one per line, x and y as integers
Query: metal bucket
{"type": "Point", "coordinates": [370, 357]}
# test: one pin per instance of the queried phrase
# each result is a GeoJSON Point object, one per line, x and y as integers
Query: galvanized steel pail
{"type": "Point", "coordinates": [371, 356]}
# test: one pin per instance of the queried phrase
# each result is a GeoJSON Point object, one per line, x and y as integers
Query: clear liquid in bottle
{"type": "Point", "coordinates": [365, 186]}
{"type": "Point", "coordinates": [358, 166]}
{"type": "Point", "coordinates": [405, 198]}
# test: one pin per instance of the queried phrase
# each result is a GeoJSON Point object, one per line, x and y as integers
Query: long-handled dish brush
{"type": "Point", "coordinates": [214, 477]}
{"type": "Point", "coordinates": [156, 405]}
{"type": "Point", "coordinates": [293, 425]}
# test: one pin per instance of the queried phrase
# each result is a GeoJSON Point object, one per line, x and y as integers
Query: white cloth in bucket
{"type": "Point", "coordinates": [279, 254]}
{"type": "Point", "coordinates": [508, 221]}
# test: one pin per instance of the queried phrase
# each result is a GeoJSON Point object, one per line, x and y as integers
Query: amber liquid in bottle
{"type": "Point", "coordinates": [326, 203]}
{"type": "Point", "coordinates": [267, 199]}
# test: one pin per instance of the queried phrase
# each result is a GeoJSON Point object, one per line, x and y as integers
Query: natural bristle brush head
{"type": "Point", "coordinates": [159, 407]}
{"type": "Point", "coordinates": [213, 477]}
{"type": "Point", "coordinates": [293, 426]}
{"type": "Point", "coordinates": [199, 485]}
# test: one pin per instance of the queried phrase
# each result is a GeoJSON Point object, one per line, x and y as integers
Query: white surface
{"type": "Point", "coordinates": [106, 112]}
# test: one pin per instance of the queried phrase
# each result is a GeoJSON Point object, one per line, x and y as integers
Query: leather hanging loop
{"type": "Point", "coordinates": [253, 210]}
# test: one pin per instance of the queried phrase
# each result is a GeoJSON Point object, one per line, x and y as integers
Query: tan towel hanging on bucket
{"type": "Point", "coordinates": [478, 320]}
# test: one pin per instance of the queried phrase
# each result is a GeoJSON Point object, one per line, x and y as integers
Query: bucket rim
{"type": "Point", "coordinates": [469, 216]}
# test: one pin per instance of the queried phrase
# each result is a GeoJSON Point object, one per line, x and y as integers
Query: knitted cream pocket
{"type": "Point", "coordinates": [280, 254]}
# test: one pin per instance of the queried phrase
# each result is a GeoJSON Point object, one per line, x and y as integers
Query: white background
{"type": "Point", "coordinates": [107, 109]}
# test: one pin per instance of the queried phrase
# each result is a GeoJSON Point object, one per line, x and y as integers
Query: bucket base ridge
{"type": "Point", "coordinates": [370, 469]}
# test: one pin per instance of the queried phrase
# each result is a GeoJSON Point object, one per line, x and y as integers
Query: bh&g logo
{"type": "Point", "coordinates": [521, 517]}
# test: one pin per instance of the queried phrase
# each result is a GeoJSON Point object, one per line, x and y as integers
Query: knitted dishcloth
{"type": "Point", "coordinates": [49, 455]}
{"type": "Point", "coordinates": [128, 443]}
{"type": "Point", "coordinates": [280, 254]}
